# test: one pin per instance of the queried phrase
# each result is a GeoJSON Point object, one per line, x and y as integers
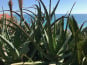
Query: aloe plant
{"type": "Point", "coordinates": [45, 37]}
{"type": "Point", "coordinates": [51, 42]}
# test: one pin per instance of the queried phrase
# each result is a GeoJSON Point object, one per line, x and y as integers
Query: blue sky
{"type": "Point", "coordinates": [64, 6]}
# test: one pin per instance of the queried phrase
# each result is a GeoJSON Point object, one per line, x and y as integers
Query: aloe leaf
{"type": "Point", "coordinates": [47, 38]}
{"type": "Point", "coordinates": [44, 7]}
{"type": "Point", "coordinates": [2, 55]}
{"type": "Point", "coordinates": [26, 24]}
{"type": "Point", "coordinates": [38, 31]}
{"type": "Point", "coordinates": [62, 26]}
{"type": "Point", "coordinates": [23, 48]}
{"type": "Point", "coordinates": [47, 16]}
{"type": "Point", "coordinates": [3, 25]}
{"type": "Point", "coordinates": [49, 28]}
{"type": "Point", "coordinates": [29, 15]}
{"type": "Point", "coordinates": [13, 12]}
{"type": "Point", "coordinates": [82, 25]}
{"type": "Point", "coordinates": [76, 35]}
{"type": "Point", "coordinates": [30, 11]}
{"type": "Point", "coordinates": [55, 8]}
{"type": "Point", "coordinates": [64, 44]}
{"type": "Point", "coordinates": [57, 20]}
{"type": "Point", "coordinates": [10, 44]}
{"type": "Point", "coordinates": [50, 7]}
{"type": "Point", "coordinates": [60, 34]}
{"type": "Point", "coordinates": [20, 28]}
{"type": "Point", "coordinates": [71, 9]}
{"type": "Point", "coordinates": [13, 28]}
{"type": "Point", "coordinates": [73, 26]}
{"type": "Point", "coordinates": [54, 37]}
{"type": "Point", "coordinates": [66, 27]}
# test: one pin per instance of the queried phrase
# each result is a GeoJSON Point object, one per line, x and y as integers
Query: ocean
{"type": "Point", "coordinates": [80, 18]}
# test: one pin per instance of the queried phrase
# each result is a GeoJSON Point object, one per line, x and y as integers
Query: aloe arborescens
{"type": "Point", "coordinates": [10, 6]}
{"type": "Point", "coordinates": [21, 11]}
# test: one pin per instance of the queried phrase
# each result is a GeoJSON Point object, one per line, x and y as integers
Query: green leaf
{"type": "Point", "coordinates": [55, 8]}
{"type": "Point", "coordinates": [10, 44]}
{"type": "Point", "coordinates": [73, 26]}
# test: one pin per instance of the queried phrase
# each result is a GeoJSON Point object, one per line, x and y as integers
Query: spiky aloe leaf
{"type": "Point", "coordinates": [29, 15]}
{"type": "Point", "coordinates": [48, 24]}
{"type": "Point", "coordinates": [82, 25]}
{"type": "Point", "coordinates": [54, 37]}
{"type": "Point", "coordinates": [19, 27]}
{"type": "Point", "coordinates": [55, 8]}
{"type": "Point", "coordinates": [60, 33]}
{"type": "Point", "coordinates": [10, 44]}
{"type": "Point", "coordinates": [2, 55]}
{"type": "Point", "coordinates": [57, 20]}
{"type": "Point", "coordinates": [72, 8]}
{"type": "Point", "coordinates": [23, 48]}
{"type": "Point", "coordinates": [30, 11]}
{"type": "Point", "coordinates": [63, 47]}
{"type": "Point", "coordinates": [26, 24]}
{"type": "Point", "coordinates": [73, 26]}
{"type": "Point", "coordinates": [13, 12]}
{"type": "Point", "coordinates": [69, 15]}
{"type": "Point", "coordinates": [77, 36]}
{"type": "Point", "coordinates": [50, 7]}
{"type": "Point", "coordinates": [47, 16]}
